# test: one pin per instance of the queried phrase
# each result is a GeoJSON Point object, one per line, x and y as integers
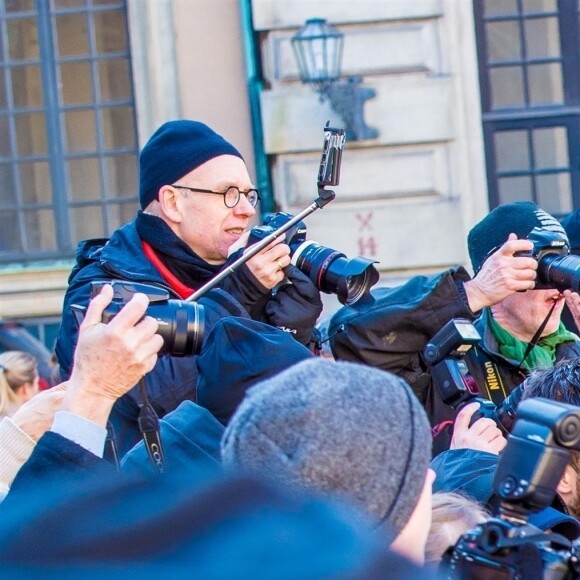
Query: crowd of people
{"type": "Point", "coordinates": [253, 457]}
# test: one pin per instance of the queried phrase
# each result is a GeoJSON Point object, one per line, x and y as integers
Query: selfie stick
{"type": "Point", "coordinates": [329, 174]}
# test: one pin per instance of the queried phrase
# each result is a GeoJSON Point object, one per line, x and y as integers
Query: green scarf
{"type": "Point", "coordinates": [542, 356]}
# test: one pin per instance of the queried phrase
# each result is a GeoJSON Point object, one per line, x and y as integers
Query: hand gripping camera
{"type": "Point", "coordinates": [557, 268]}
{"type": "Point", "coordinates": [532, 464]}
{"type": "Point", "coordinates": [331, 271]}
{"type": "Point", "coordinates": [444, 354]}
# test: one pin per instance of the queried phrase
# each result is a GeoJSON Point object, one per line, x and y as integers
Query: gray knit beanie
{"type": "Point", "coordinates": [340, 428]}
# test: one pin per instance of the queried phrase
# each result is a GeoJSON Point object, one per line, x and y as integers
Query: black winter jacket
{"type": "Point", "coordinates": [393, 333]}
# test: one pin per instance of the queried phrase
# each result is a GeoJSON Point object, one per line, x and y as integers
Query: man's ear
{"type": "Point", "coordinates": [567, 483]}
{"type": "Point", "coordinates": [170, 203]}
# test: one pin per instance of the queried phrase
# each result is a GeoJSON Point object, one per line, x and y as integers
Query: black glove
{"type": "Point", "coordinates": [296, 305]}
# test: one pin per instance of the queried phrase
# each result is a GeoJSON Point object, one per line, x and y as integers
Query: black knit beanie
{"type": "Point", "coordinates": [520, 218]}
{"type": "Point", "coordinates": [340, 428]}
{"type": "Point", "coordinates": [175, 149]}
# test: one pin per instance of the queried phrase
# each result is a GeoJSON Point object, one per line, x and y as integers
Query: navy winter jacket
{"type": "Point", "coordinates": [173, 379]}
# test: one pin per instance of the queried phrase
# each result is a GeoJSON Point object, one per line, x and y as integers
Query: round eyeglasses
{"type": "Point", "coordinates": [231, 195]}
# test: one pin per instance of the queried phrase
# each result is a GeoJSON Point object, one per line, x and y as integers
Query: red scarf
{"type": "Point", "coordinates": [176, 285]}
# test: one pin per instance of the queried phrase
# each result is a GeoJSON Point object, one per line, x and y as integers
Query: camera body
{"type": "Point", "coordinates": [557, 268]}
{"type": "Point", "coordinates": [330, 271]}
{"type": "Point", "coordinates": [180, 323]}
{"type": "Point", "coordinates": [529, 470]}
{"type": "Point", "coordinates": [444, 354]}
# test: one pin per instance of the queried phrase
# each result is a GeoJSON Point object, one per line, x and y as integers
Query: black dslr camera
{"type": "Point", "coordinates": [444, 354]}
{"type": "Point", "coordinates": [557, 268]}
{"type": "Point", "coordinates": [181, 324]}
{"type": "Point", "coordinates": [506, 546]}
{"type": "Point", "coordinates": [331, 271]}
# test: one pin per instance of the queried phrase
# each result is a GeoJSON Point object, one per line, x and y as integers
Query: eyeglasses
{"type": "Point", "coordinates": [231, 195]}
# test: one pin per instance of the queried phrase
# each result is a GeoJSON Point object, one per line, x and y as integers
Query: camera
{"type": "Point", "coordinates": [444, 354]}
{"type": "Point", "coordinates": [557, 268]}
{"type": "Point", "coordinates": [181, 324]}
{"type": "Point", "coordinates": [331, 271]}
{"type": "Point", "coordinates": [532, 464]}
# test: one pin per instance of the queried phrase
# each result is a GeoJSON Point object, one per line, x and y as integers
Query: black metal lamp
{"type": "Point", "coordinates": [318, 50]}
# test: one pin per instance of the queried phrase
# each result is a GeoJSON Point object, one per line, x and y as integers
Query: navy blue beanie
{"type": "Point", "coordinates": [237, 354]}
{"type": "Point", "coordinates": [175, 149]}
{"type": "Point", "coordinates": [520, 218]}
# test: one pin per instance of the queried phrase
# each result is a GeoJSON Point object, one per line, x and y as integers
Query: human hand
{"type": "Point", "coordinates": [502, 274]}
{"type": "Point", "coordinates": [573, 303]}
{"type": "Point", "coordinates": [110, 358]}
{"type": "Point", "coordinates": [268, 265]}
{"type": "Point", "coordinates": [483, 435]}
{"type": "Point", "coordinates": [35, 417]}
{"type": "Point", "coordinates": [296, 305]}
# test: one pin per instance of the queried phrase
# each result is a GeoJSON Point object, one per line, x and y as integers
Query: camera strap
{"type": "Point", "coordinates": [149, 427]}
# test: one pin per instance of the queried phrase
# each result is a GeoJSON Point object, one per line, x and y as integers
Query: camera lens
{"type": "Point", "coordinates": [180, 325]}
{"type": "Point", "coordinates": [333, 273]}
{"type": "Point", "coordinates": [560, 272]}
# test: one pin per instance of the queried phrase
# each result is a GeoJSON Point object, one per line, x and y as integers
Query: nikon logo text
{"type": "Point", "coordinates": [492, 380]}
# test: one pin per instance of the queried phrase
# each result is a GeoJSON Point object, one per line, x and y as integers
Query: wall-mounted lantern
{"type": "Point", "coordinates": [318, 50]}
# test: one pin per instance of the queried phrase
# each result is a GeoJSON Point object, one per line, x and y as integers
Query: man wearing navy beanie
{"type": "Point", "coordinates": [197, 200]}
{"type": "Point", "coordinates": [516, 314]}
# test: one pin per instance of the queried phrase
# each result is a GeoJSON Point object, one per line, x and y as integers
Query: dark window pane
{"type": "Point", "coordinates": [539, 5]}
{"type": "Point", "coordinates": [104, 2]}
{"type": "Point", "coordinates": [87, 222]}
{"type": "Point", "coordinates": [27, 86]}
{"type": "Point", "coordinates": [59, 4]}
{"type": "Point", "coordinates": [72, 34]}
{"type": "Point", "coordinates": [119, 214]}
{"type": "Point", "coordinates": [122, 175]}
{"type": "Point", "coordinates": [515, 189]}
{"type": "Point", "coordinates": [40, 231]}
{"type": "Point", "coordinates": [114, 80]}
{"type": "Point", "coordinates": [554, 192]}
{"type": "Point", "coordinates": [5, 145]}
{"type": "Point", "coordinates": [545, 82]}
{"type": "Point", "coordinates": [542, 38]}
{"type": "Point", "coordinates": [504, 41]}
{"type": "Point", "coordinates": [512, 151]}
{"type": "Point", "coordinates": [80, 131]}
{"type": "Point", "coordinates": [22, 39]}
{"type": "Point", "coordinates": [84, 179]}
{"type": "Point", "coordinates": [35, 182]}
{"type": "Point", "coordinates": [550, 147]}
{"type": "Point", "coordinates": [18, 5]}
{"type": "Point", "coordinates": [9, 232]}
{"type": "Point", "coordinates": [118, 127]}
{"type": "Point", "coordinates": [507, 87]}
{"type": "Point", "coordinates": [31, 134]}
{"type": "Point", "coordinates": [496, 7]}
{"type": "Point", "coordinates": [110, 31]}
{"type": "Point", "coordinates": [8, 189]}
{"type": "Point", "coordinates": [76, 82]}
{"type": "Point", "coordinates": [3, 101]}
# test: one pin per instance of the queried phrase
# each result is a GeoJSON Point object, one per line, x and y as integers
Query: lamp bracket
{"type": "Point", "coordinates": [347, 98]}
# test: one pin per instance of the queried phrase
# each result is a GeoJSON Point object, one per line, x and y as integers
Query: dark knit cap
{"type": "Point", "coordinates": [338, 427]}
{"type": "Point", "coordinates": [237, 354]}
{"type": "Point", "coordinates": [520, 218]}
{"type": "Point", "coordinates": [175, 149]}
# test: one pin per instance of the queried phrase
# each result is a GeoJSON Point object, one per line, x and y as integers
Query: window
{"type": "Point", "coordinates": [528, 65]}
{"type": "Point", "coordinates": [68, 145]}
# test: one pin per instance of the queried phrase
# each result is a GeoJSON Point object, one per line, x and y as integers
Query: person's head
{"type": "Point", "coordinates": [19, 380]}
{"type": "Point", "coordinates": [522, 313]}
{"type": "Point", "coordinates": [182, 156]}
{"type": "Point", "coordinates": [342, 429]}
{"type": "Point", "coordinates": [561, 383]}
{"type": "Point", "coordinates": [452, 514]}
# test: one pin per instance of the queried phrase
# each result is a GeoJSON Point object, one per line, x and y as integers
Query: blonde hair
{"type": "Point", "coordinates": [16, 369]}
{"type": "Point", "coordinates": [452, 515]}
